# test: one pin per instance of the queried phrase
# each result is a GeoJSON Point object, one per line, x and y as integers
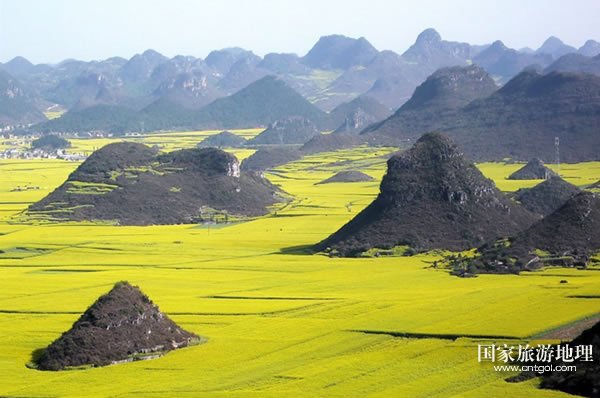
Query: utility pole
{"type": "Point", "coordinates": [557, 153]}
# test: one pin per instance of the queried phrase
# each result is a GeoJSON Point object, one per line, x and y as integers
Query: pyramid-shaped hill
{"type": "Point", "coordinates": [573, 228]}
{"type": "Point", "coordinates": [547, 196]}
{"type": "Point", "coordinates": [451, 87]}
{"type": "Point", "coordinates": [122, 325]}
{"type": "Point", "coordinates": [435, 102]}
{"type": "Point", "coordinates": [225, 139]}
{"type": "Point", "coordinates": [533, 170]}
{"type": "Point", "coordinates": [288, 131]}
{"type": "Point", "coordinates": [566, 237]}
{"type": "Point", "coordinates": [354, 116]}
{"type": "Point", "coordinates": [430, 198]}
{"type": "Point", "coordinates": [270, 157]}
{"type": "Point", "coordinates": [331, 142]}
{"type": "Point", "coordinates": [355, 122]}
{"type": "Point", "coordinates": [585, 380]}
{"type": "Point", "coordinates": [259, 104]}
{"type": "Point", "coordinates": [131, 184]}
{"type": "Point", "coordinates": [347, 176]}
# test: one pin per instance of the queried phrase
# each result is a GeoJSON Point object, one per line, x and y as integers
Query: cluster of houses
{"type": "Point", "coordinates": [39, 153]}
{"type": "Point", "coordinates": [19, 147]}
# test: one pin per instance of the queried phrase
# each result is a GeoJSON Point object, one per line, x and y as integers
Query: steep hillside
{"type": "Point", "coordinates": [122, 325]}
{"type": "Point", "coordinates": [519, 121]}
{"type": "Point", "coordinates": [430, 198]}
{"type": "Point", "coordinates": [130, 184]}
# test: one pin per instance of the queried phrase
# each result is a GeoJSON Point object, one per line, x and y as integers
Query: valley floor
{"type": "Point", "coordinates": [278, 322]}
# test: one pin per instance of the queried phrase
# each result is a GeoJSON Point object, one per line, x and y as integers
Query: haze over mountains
{"type": "Point", "coordinates": [519, 120]}
{"type": "Point", "coordinates": [337, 69]}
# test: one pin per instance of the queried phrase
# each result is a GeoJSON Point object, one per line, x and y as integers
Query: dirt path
{"type": "Point", "coordinates": [568, 331]}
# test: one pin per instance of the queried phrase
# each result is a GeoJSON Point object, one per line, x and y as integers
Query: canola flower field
{"type": "Point", "coordinates": [277, 321]}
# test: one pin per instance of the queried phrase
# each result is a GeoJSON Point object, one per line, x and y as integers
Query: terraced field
{"type": "Point", "coordinates": [277, 321]}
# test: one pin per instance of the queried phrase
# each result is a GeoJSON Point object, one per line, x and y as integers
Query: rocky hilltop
{"type": "Point", "coordinates": [331, 142]}
{"type": "Point", "coordinates": [430, 198]}
{"type": "Point", "coordinates": [225, 139]}
{"type": "Point", "coordinates": [452, 87]}
{"type": "Point", "coordinates": [518, 121]}
{"type": "Point", "coordinates": [292, 130]}
{"type": "Point", "coordinates": [269, 157]}
{"type": "Point", "coordinates": [355, 122]}
{"type": "Point", "coordinates": [434, 102]}
{"type": "Point", "coordinates": [122, 325]}
{"type": "Point", "coordinates": [354, 116]}
{"type": "Point", "coordinates": [347, 176]}
{"type": "Point", "coordinates": [567, 237]}
{"type": "Point", "coordinates": [533, 170]}
{"type": "Point", "coordinates": [547, 196]}
{"type": "Point", "coordinates": [132, 184]}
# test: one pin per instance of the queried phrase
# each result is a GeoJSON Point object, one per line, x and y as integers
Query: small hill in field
{"type": "Point", "coordinates": [50, 142]}
{"type": "Point", "coordinates": [430, 198]}
{"type": "Point", "coordinates": [269, 157]}
{"type": "Point", "coordinates": [225, 139]}
{"type": "Point", "coordinates": [547, 196]}
{"type": "Point", "coordinates": [131, 184]}
{"type": "Point", "coordinates": [347, 176]}
{"type": "Point", "coordinates": [533, 170]}
{"type": "Point", "coordinates": [288, 131]}
{"type": "Point", "coordinates": [122, 325]}
{"type": "Point", "coordinates": [567, 237]}
{"type": "Point", "coordinates": [331, 142]}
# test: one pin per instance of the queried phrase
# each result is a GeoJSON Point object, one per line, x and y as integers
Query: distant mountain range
{"type": "Point", "coordinates": [519, 120]}
{"type": "Point", "coordinates": [259, 104]}
{"type": "Point", "coordinates": [17, 104]}
{"type": "Point", "coordinates": [576, 63]}
{"type": "Point", "coordinates": [173, 92]}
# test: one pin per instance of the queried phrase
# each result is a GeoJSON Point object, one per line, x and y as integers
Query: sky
{"type": "Point", "coordinates": [48, 31]}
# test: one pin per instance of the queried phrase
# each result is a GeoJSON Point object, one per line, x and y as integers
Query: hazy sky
{"type": "Point", "coordinates": [52, 30]}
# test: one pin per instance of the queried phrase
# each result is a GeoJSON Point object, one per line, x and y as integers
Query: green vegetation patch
{"type": "Point", "coordinates": [396, 251]}
{"type": "Point", "coordinates": [89, 188]}
{"type": "Point", "coordinates": [144, 169]}
{"type": "Point", "coordinates": [20, 252]}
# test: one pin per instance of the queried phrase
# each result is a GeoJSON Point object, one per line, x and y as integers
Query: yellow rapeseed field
{"type": "Point", "coordinates": [277, 321]}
